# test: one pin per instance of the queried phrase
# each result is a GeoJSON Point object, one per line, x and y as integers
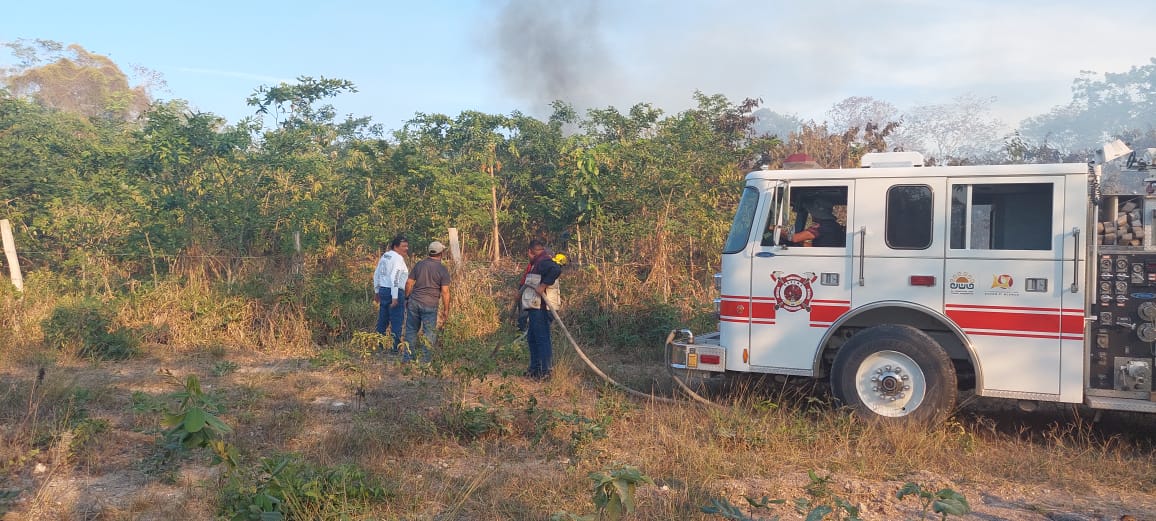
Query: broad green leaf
{"type": "Point", "coordinates": [216, 424]}
{"type": "Point", "coordinates": [613, 510]}
{"type": "Point", "coordinates": [908, 489]}
{"type": "Point", "coordinates": [194, 419]}
{"type": "Point", "coordinates": [819, 513]}
{"type": "Point", "coordinates": [950, 502]}
{"type": "Point", "coordinates": [625, 494]}
{"type": "Point", "coordinates": [194, 439]}
{"type": "Point", "coordinates": [172, 420]}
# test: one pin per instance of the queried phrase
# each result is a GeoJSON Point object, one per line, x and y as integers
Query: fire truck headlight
{"type": "Point", "coordinates": [718, 281]}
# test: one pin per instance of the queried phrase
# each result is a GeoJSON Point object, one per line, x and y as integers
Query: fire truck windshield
{"type": "Point", "coordinates": [745, 217]}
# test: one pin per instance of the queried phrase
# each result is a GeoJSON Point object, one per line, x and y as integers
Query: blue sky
{"type": "Point", "coordinates": [499, 56]}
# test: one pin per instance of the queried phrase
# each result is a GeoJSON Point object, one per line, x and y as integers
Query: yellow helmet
{"type": "Point", "coordinates": [560, 259]}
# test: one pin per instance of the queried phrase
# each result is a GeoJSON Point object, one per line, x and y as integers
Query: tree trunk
{"type": "Point", "coordinates": [495, 250]}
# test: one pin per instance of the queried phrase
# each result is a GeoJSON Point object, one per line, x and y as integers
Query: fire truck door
{"type": "Point", "coordinates": [1007, 240]}
{"type": "Point", "coordinates": [799, 279]}
{"type": "Point", "coordinates": [898, 239]}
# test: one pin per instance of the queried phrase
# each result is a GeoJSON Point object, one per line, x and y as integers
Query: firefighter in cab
{"type": "Point", "coordinates": [824, 230]}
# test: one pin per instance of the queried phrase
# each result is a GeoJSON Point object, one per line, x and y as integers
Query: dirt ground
{"type": "Point", "coordinates": [108, 480]}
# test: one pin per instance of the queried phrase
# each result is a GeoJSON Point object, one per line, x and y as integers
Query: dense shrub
{"type": "Point", "coordinates": [287, 486]}
{"type": "Point", "coordinates": [86, 328]}
{"type": "Point", "coordinates": [336, 306]}
{"type": "Point", "coordinates": [627, 327]}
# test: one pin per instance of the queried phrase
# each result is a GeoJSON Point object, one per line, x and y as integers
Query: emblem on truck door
{"type": "Point", "coordinates": [793, 292]}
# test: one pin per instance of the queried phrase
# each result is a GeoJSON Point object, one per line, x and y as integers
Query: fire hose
{"type": "Point", "coordinates": [614, 383]}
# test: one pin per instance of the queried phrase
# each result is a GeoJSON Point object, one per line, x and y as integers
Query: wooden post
{"type": "Point", "coordinates": [456, 249]}
{"type": "Point", "coordinates": [298, 260]}
{"type": "Point", "coordinates": [153, 258]}
{"type": "Point", "coordinates": [10, 253]}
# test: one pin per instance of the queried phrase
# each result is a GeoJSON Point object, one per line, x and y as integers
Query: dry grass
{"type": "Point", "coordinates": [467, 444]}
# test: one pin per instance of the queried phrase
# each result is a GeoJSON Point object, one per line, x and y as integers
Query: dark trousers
{"type": "Point", "coordinates": [425, 319]}
{"type": "Point", "coordinates": [538, 337]}
{"type": "Point", "coordinates": [390, 316]}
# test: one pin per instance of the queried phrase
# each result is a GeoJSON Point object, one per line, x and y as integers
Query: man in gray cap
{"type": "Point", "coordinates": [427, 286]}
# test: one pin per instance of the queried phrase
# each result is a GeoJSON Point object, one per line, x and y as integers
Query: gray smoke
{"type": "Point", "coordinates": [550, 50]}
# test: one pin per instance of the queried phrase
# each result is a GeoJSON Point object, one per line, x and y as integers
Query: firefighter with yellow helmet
{"type": "Point", "coordinates": [539, 298]}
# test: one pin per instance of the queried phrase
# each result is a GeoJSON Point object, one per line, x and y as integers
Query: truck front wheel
{"type": "Point", "coordinates": [895, 373]}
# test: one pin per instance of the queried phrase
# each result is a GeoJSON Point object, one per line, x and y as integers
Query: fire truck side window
{"type": "Point", "coordinates": [909, 214]}
{"type": "Point", "coordinates": [741, 227]}
{"type": "Point", "coordinates": [821, 209]}
{"type": "Point", "coordinates": [1012, 216]}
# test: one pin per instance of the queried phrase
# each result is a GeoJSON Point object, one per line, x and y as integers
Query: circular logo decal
{"type": "Point", "coordinates": [793, 292]}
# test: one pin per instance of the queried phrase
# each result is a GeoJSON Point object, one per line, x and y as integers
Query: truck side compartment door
{"type": "Point", "coordinates": [1005, 268]}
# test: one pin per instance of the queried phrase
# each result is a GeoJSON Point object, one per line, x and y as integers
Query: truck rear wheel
{"type": "Point", "coordinates": [894, 373]}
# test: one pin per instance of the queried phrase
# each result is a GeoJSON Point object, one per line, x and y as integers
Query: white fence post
{"type": "Point", "coordinates": [455, 246]}
{"type": "Point", "coordinates": [10, 253]}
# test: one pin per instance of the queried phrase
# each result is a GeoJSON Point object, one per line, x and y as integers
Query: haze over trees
{"type": "Point", "coordinates": [1119, 104]}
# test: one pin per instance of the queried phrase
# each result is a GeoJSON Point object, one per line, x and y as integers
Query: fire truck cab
{"type": "Point", "coordinates": [914, 283]}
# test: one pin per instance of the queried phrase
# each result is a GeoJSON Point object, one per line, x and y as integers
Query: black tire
{"type": "Point", "coordinates": [895, 373]}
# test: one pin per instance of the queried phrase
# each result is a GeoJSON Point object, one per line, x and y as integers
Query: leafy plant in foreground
{"type": "Point", "coordinates": [820, 503]}
{"type": "Point", "coordinates": [369, 343]}
{"type": "Point", "coordinates": [944, 502]}
{"type": "Point", "coordinates": [722, 507]}
{"type": "Point", "coordinates": [7, 497]}
{"type": "Point", "coordinates": [189, 418]}
{"type": "Point", "coordinates": [823, 501]}
{"type": "Point", "coordinates": [195, 424]}
{"type": "Point", "coordinates": [613, 495]}
{"type": "Point", "coordinates": [288, 487]}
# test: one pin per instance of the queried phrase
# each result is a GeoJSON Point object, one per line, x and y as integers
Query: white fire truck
{"type": "Point", "coordinates": [915, 283]}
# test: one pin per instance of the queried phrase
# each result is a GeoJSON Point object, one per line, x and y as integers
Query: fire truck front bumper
{"type": "Point", "coordinates": [695, 356]}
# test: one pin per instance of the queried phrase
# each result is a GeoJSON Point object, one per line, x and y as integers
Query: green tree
{"type": "Point", "coordinates": [456, 168]}
{"type": "Point", "coordinates": [303, 189]}
{"type": "Point", "coordinates": [63, 183]}
{"type": "Point", "coordinates": [480, 142]}
{"type": "Point", "coordinates": [540, 146]}
{"type": "Point", "coordinates": [194, 182]}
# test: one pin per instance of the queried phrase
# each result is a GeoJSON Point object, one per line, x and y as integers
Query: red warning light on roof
{"type": "Point", "coordinates": [800, 161]}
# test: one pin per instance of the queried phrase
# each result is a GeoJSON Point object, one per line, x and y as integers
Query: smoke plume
{"type": "Point", "coordinates": [548, 50]}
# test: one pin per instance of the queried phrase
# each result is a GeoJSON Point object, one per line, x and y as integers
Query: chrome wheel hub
{"type": "Point", "coordinates": [890, 383]}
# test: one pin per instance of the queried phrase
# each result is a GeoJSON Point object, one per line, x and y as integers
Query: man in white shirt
{"type": "Point", "coordinates": [389, 283]}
